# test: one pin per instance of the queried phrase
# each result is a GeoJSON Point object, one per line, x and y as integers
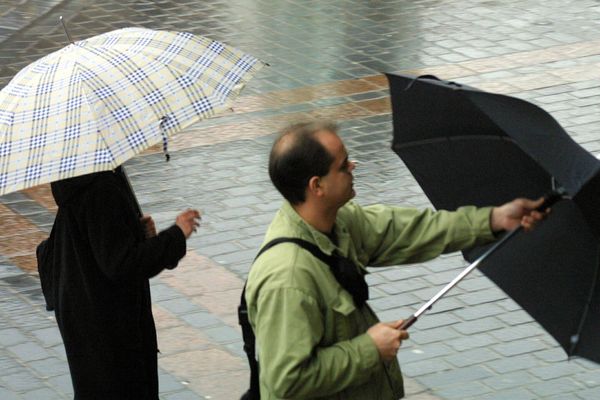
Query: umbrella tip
{"type": "Point", "coordinates": [62, 21]}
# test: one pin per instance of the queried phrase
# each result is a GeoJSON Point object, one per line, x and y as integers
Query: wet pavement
{"type": "Point", "coordinates": [326, 61]}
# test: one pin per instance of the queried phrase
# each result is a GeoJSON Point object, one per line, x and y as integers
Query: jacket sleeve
{"type": "Point", "coordinates": [288, 330]}
{"type": "Point", "coordinates": [396, 235]}
{"type": "Point", "coordinates": [117, 247]}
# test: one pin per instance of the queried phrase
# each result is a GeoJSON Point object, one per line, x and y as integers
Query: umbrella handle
{"type": "Point", "coordinates": [407, 323]}
{"type": "Point", "coordinates": [551, 198]}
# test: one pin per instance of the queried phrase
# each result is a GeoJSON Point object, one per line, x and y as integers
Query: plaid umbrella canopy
{"type": "Point", "coordinates": [96, 103]}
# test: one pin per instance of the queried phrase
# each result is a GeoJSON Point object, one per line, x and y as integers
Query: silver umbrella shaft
{"type": "Point", "coordinates": [408, 322]}
{"type": "Point", "coordinates": [550, 199]}
{"type": "Point", "coordinates": [464, 273]}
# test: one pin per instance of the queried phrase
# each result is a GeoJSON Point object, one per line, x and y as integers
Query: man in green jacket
{"type": "Point", "coordinates": [312, 340]}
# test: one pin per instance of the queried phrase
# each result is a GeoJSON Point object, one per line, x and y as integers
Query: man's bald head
{"type": "Point", "coordinates": [297, 155]}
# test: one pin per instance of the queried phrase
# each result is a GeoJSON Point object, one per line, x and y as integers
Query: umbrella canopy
{"type": "Point", "coordinates": [466, 146]}
{"type": "Point", "coordinates": [96, 103]}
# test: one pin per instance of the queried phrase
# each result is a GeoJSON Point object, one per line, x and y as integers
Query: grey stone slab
{"type": "Point", "coordinates": [515, 363]}
{"type": "Point", "coordinates": [472, 357]}
{"type": "Point", "coordinates": [521, 346]}
{"type": "Point", "coordinates": [43, 393]}
{"type": "Point", "coordinates": [48, 336]}
{"type": "Point", "coordinates": [21, 381]}
{"type": "Point", "coordinates": [223, 334]}
{"type": "Point", "coordinates": [29, 351]}
{"type": "Point", "coordinates": [393, 301]}
{"type": "Point", "coordinates": [6, 394]}
{"type": "Point", "coordinates": [62, 383]}
{"type": "Point", "coordinates": [183, 395]}
{"type": "Point", "coordinates": [49, 367]}
{"type": "Point", "coordinates": [12, 336]}
{"type": "Point", "coordinates": [413, 353]}
{"type": "Point", "coordinates": [467, 342]}
{"type": "Point", "coordinates": [201, 319]}
{"type": "Point", "coordinates": [482, 296]}
{"type": "Point", "coordinates": [460, 391]}
{"type": "Point", "coordinates": [478, 311]}
{"type": "Point", "coordinates": [558, 370]}
{"type": "Point", "coordinates": [168, 383]}
{"type": "Point", "coordinates": [510, 380]}
{"type": "Point", "coordinates": [479, 325]}
{"type": "Point", "coordinates": [512, 394]}
{"type": "Point", "coordinates": [179, 306]}
{"type": "Point", "coordinates": [549, 388]}
{"type": "Point", "coordinates": [458, 376]}
{"type": "Point", "coordinates": [589, 394]}
{"type": "Point", "coordinates": [424, 367]}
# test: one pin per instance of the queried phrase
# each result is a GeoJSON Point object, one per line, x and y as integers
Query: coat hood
{"type": "Point", "coordinates": [66, 189]}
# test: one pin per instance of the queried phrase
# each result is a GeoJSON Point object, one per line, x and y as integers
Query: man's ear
{"type": "Point", "coordinates": [314, 185]}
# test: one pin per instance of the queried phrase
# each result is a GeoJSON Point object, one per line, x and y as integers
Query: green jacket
{"type": "Point", "coordinates": [311, 340]}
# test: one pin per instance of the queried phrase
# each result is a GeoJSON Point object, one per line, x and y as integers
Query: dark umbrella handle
{"type": "Point", "coordinates": [407, 323]}
{"type": "Point", "coordinates": [551, 198]}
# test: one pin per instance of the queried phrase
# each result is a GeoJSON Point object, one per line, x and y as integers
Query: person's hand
{"type": "Point", "coordinates": [188, 221]}
{"type": "Point", "coordinates": [388, 338]}
{"type": "Point", "coordinates": [148, 226]}
{"type": "Point", "coordinates": [517, 212]}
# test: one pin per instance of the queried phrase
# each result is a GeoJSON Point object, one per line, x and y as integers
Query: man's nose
{"type": "Point", "coordinates": [352, 165]}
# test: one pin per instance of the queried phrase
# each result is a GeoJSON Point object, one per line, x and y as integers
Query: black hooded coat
{"type": "Point", "coordinates": [100, 289]}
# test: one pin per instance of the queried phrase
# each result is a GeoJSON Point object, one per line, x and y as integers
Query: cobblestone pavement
{"type": "Point", "coordinates": [326, 58]}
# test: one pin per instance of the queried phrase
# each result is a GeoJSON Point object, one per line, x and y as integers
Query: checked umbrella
{"type": "Point", "coordinates": [95, 103]}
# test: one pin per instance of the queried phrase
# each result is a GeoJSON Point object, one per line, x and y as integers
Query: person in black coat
{"type": "Point", "coordinates": [104, 253]}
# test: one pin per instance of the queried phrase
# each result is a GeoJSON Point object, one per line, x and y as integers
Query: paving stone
{"type": "Point", "coordinates": [517, 347]}
{"type": "Point", "coordinates": [424, 367]}
{"type": "Point", "coordinates": [43, 393]}
{"type": "Point", "coordinates": [180, 305]}
{"type": "Point", "coordinates": [185, 395]}
{"type": "Point", "coordinates": [513, 394]}
{"type": "Point", "coordinates": [549, 388]}
{"type": "Point", "coordinates": [472, 357]}
{"type": "Point", "coordinates": [461, 391]}
{"type": "Point", "coordinates": [558, 370]}
{"type": "Point", "coordinates": [222, 334]}
{"type": "Point", "coordinates": [412, 353]}
{"type": "Point", "coordinates": [62, 383]}
{"type": "Point", "coordinates": [7, 394]}
{"type": "Point", "coordinates": [479, 325]}
{"type": "Point", "coordinates": [589, 394]}
{"type": "Point", "coordinates": [515, 363]}
{"type": "Point", "coordinates": [509, 380]}
{"type": "Point", "coordinates": [29, 351]}
{"type": "Point", "coordinates": [478, 311]}
{"type": "Point", "coordinates": [12, 336]}
{"type": "Point", "coordinates": [21, 381]}
{"type": "Point", "coordinates": [48, 367]}
{"type": "Point", "coordinates": [201, 319]}
{"type": "Point", "coordinates": [48, 336]}
{"type": "Point", "coordinates": [167, 383]}
{"type": "Point", "coordinates": [458, 376]}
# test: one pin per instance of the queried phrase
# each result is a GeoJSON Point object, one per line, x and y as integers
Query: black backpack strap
{"type": "Point", "coordinates": [248, 334]}
{"type": "Point", "coordinates": [353, 281]}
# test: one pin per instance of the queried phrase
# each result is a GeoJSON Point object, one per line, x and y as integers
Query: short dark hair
{"type": "Point", "coordinates": [297, 156]}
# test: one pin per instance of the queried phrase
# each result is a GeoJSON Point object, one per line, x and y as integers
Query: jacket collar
{"type": "Point", "coordinates": [308, 232]}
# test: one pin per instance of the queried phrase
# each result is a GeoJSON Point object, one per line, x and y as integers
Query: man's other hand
{"type": "Point", "coordinates": [388, 338]}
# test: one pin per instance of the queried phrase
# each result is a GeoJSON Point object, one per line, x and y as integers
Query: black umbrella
{"type": "Point", "coordinates": [470, 147]}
